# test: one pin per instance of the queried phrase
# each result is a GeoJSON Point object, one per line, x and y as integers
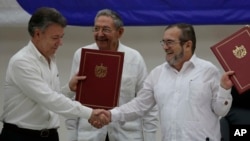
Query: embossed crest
{"type": "Point", "coordinates": [101, 71]}
{"type": "Point", "coordinates": [240, 51]}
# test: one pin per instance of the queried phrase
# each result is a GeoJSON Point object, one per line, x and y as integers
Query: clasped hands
{"type": "Point", "coordinates": [100, 118]}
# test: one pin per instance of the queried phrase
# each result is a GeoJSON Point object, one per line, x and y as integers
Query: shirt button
{"type": "Point", "coordinates": [225, 103]}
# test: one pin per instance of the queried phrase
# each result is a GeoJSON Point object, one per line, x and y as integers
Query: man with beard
{"type": "Point", "coordinates": [108, 29]}
{"type": "Point", "coordinates": [187, 90]}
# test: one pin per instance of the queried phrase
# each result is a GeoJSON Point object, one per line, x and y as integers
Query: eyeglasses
{"type": "Point", "coordinates": [169, 43]}
{"type": "Point", "coordinates": [104, 30]}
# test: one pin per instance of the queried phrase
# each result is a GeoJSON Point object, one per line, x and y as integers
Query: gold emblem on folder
{"type": "Point", "coordinates": [240, 52]}
{"type": "Point", "coordinates": [101, 71]}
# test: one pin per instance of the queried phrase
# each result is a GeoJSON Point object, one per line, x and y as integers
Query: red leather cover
{"type": "Point", "coordinates": [101, 88]}
{"type": "Point", "coordinates": [233, 53]}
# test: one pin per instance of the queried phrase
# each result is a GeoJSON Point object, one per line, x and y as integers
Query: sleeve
{"type": "Point", "coordinates": [67, 92]}
{"type": "Point", "coordinates": [222, 103]}
{"type": "Point", "coordinates": [137, 107]}
{"type": "Point", "coordinates": [150, 120]}
{"type": "Point", "coordinates": [71, 124]}
{"type": "Point", "coordinates": [222, 99]}
{"type": "Point", "coordinates": [27, 75]}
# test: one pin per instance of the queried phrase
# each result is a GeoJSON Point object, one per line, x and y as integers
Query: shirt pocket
{"type": "Point", "coordinates": [199, 92]}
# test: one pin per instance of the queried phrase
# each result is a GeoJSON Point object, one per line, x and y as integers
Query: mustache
{"type": "Point", "coordinates": [101, 38]}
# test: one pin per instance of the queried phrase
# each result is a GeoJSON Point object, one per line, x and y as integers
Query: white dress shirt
{"type": "Point", "coordinates": [190, 101]}
{"type": "Point", "coordinates": [143, 129]}
{"type": "Point", "coordinates": [32, 95]}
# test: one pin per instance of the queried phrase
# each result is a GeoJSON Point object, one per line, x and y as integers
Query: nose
{"type": "Point", "coordinates": [164, 46]}
{"type": "Point", "coordinates": [59, 42]}
{"type": "Point", "coordinates": [99, 33]}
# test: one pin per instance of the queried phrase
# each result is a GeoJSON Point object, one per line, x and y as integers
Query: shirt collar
{"type": "Point", "coordinates": [36, 52]}
{"type": "Point", "coordinates": [120, 47]}
{"type": "Point", "coordinates": [193, 60]}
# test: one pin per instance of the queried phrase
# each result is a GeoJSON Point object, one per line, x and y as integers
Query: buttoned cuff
{"type": "Point", "coordinates": [87, 112]}
{"type": "Point", "coordinates": [115, 115]}
{"type": "Point", "coordinates": [224, 93]}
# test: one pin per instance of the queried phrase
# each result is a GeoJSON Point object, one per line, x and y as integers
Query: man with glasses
{"type": "Point", "coordinates": [187, 90]}
{"type": "Point", "coordinates": [108, 29]}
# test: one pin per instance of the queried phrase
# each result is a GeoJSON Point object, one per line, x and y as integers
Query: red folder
{"type": "Point", "coordinates": [101, 88]}
{"type": "Point", "coordinates": [233, 53]}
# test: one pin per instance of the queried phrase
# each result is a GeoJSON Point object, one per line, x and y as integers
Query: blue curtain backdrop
{"type": "Point", "coordinates": [150, 12]}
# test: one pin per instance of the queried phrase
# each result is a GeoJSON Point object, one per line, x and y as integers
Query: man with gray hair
{"type": "Point", "coordinates": [108, 29]}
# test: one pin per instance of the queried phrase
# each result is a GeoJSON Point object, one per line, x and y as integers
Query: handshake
{"type": "Point", "coordinates": [100, 118]}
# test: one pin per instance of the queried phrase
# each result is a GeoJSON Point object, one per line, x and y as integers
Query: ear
{"type": "Point", "coordinates": [189, 45]}
{"type": "Point", "coordinates": [37, 32]}
{"type": "Point", "coordinates": [120, 31]}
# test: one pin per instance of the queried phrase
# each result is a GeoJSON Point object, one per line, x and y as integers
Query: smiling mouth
{"type": "Point", "coordinates": [102, 40]}
{"type": "Point", "coordinates": [169, 53]}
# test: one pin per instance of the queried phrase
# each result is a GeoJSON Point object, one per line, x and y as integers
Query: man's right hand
{"type": "Point", "coordinates": [100, 118]}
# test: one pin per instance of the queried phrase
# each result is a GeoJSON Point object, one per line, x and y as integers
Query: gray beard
{"type": "Point", "coordinates": [176, 59]}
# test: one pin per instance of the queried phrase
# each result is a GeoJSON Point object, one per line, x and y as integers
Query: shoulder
{"type": "Point", "coordinates": [158, 69]}
{"type": "Point", "coordinates": [23, 54]}
{"type": "Point", "coordinates": [206, 64]}
{"type": "Point", "coordinates": [207, 68]}
{"type": "Point", "coordinates": [90, 46]}
{"type": "Point", "coordinates": [128, 49]}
